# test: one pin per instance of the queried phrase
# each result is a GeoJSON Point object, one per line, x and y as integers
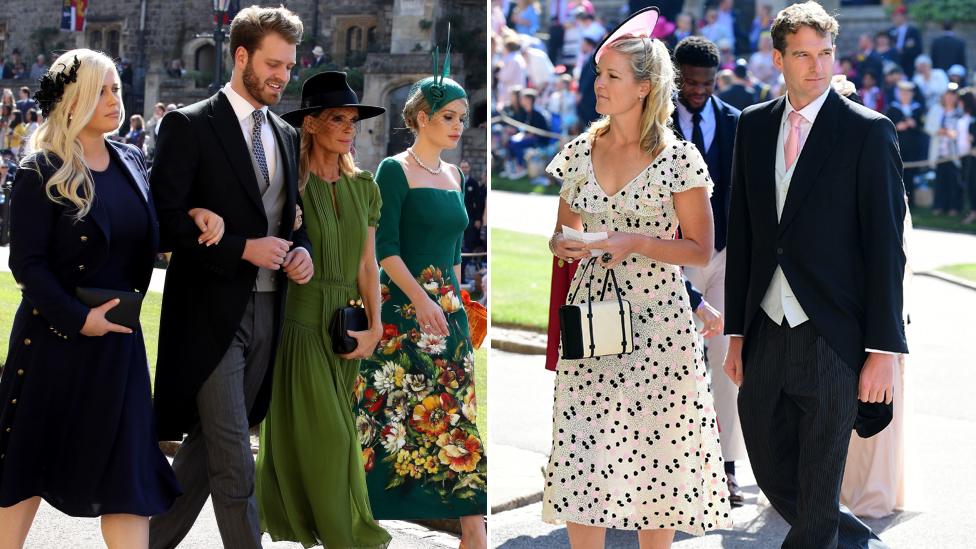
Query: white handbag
{"type": "Point", "coordinates": [596, 328]}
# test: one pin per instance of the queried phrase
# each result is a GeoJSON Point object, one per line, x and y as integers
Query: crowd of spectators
{"type": "Point", "coordinates": [19, 118]}
{"type": "Point", "coordinates": [543, 85]}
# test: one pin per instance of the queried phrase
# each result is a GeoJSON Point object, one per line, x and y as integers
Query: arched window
{"type": "Point", "coordinates": [95, 40]}
{"type": "Point", "coordinates": [399, 136]}
{"type": "Point", "coordinates": [354, 39]}
{"type": "Point", "coordinates": [203, 59]}
{"type": "Point", "coordinates": [371, 39]}
{"type": "Point", "coordinates": [478, 113]}
{"type": "Point", "coordinates": [112, 43]}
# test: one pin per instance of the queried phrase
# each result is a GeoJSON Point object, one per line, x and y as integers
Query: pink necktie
{"type": "Point", "coordinates": [792, 146]}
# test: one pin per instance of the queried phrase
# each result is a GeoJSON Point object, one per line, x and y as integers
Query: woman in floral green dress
{"type": "Point", "coordinates": [415, 397]}
{"type": "Point", "coordinates": [310, 482]}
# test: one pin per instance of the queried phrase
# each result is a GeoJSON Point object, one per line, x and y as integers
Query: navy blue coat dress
{"type": "Point", "coordinates": [76, 424]}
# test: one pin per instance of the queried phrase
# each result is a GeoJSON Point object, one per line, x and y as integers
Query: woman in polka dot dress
{"type": "Point", "coordinates": [635, 440]}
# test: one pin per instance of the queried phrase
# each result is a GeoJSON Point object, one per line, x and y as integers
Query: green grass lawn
{"type": "Point", "coordinates": [523, 185]}
{"type": "Point", "coordinates": [10, 300]}
{"type": "Point", "coordinates": [923, 219]}
{"type": "Point", "coordinates": [966, 271]}
{"type": "Point", "coordinates": [521, 266]}
{"type": "Point", "coordinates": [481, 388]}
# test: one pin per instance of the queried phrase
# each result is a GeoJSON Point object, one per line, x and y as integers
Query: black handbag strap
{"type": "Point", "coordinates": [589, 265]}
{"type": "Point", "coordinates": [611, 275]}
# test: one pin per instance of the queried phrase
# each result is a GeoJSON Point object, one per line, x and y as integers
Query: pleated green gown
{"type": "Point", "coordinates": [311, 486]}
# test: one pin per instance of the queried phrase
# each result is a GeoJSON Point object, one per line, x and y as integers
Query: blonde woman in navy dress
{"type": "Point", "coordinates": [76, 424]}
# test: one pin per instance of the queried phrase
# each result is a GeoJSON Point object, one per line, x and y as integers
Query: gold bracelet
{"type": "Point", "coordinates": [552, 243]}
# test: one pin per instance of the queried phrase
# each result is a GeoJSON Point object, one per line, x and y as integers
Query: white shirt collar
{"type": "Point", "coordinates": [685, 112]}
{"type": "Point", "coordinates": [242, 108]}
{"type": "Point", "coordinates": [810, 112]}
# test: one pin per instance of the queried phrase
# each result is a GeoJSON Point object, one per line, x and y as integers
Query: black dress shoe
{"type": "Point", "coordinates": [735, 493]}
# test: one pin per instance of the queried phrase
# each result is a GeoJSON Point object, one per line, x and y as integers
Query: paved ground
{"type": "Point", "coordinates": [940, 433]}
{"type": "Point", "coordinates": [940, 440]}
{"type": "Point", "coordinates": [51, 529]}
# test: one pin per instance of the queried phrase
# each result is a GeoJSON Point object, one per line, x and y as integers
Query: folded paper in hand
{"type": "Point", "coordinates": [579, 236]}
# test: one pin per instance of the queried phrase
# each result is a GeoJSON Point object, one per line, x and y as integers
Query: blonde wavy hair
{"type": "Point", "coordinates": [312, 124]}
{"type": "Point", "coordinates": [58, 134]}
{"type": "Point", "coordinates": [649, 62]}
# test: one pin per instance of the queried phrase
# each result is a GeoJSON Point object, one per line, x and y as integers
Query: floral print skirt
{"type": "Point", "coordinates": [416, 411]}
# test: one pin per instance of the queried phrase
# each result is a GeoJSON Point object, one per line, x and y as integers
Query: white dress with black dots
{"type": "Point", "coordinates": [635, 443]}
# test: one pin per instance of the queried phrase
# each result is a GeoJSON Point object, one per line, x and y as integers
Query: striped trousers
{"type": "Point", "coordinates": [797, 404]}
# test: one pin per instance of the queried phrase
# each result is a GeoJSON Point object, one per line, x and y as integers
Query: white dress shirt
{"type": "Point", "coordinates": [708, 122]}
{"type": "Point", "coordinates": [780, 301]}
{"type": "Point", "coordinates": [514, 72]}
{"type": "Point", "coordinates": [901, 32]}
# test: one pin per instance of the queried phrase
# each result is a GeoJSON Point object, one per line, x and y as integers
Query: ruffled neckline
{"type": "Point", "coordinates": [641, 196]}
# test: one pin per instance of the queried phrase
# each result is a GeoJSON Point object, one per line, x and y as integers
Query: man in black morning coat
{"type": "Point", "coordinates": [813, 282]}
{"type": "Point", "coordinates": [223, 304]}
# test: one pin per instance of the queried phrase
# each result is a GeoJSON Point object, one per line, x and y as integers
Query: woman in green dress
{"type": "Point", "coordinates": [415, 397]}
{"type": "Point", "coordinates": [311, 487]}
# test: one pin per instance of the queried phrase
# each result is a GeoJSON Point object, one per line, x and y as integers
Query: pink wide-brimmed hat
{"type": "Point", "coordinates": [639, 25]}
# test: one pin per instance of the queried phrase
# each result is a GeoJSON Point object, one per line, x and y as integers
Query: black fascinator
{"type": "Point", "coordinates": [53, 84]}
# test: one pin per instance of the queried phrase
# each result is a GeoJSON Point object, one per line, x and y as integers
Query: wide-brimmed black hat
{"type": "Point", "coordinates": [329, 90]}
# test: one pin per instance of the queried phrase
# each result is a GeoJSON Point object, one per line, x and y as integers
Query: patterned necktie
{"type": "Point", "coordinates": [257, 147]}
{"type": "Point", "coordinates": [792, 145]}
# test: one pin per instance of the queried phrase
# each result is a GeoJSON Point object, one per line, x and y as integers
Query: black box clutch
{"type": "Point", "coordinates": [126, 313]}
{"type": "Point", "coordinates": [596, 328]}
{"type": "Point", "coordinates": [351, 317]}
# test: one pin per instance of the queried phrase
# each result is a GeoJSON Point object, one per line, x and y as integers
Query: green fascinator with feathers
{"type": "Point", "coordinates": [440, 89]}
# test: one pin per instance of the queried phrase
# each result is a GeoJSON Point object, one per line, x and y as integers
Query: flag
{"type": "Point", "coordinates": [73, 15]}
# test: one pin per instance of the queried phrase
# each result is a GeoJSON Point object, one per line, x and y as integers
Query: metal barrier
{"type": "Point", "coordinates": [525, 127]}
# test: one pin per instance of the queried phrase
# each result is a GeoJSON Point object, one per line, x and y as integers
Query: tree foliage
{"type": "Point", "coordinates": [943, 10]}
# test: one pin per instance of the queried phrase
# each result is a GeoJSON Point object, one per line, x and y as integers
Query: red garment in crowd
{"type": "Point", "coordinates": [562, 277]}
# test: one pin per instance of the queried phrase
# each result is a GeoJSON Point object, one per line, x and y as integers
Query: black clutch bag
{"type": "Point", "coordinates": [126, 313]}
{"type": "Point", "coordinates": [351, 317]}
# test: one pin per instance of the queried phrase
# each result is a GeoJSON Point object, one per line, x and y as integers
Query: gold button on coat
{"type": "Point", "coordinates": [27, 341]}
{"type": "Point", "coordinates": [84, 238]}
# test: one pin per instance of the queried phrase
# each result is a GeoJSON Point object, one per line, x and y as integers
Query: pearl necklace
{"type": "Point", "coordinates": [440, 163]}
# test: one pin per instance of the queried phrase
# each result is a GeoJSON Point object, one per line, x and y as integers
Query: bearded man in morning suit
{"type": "Point", "coordinates": [223, 304]}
